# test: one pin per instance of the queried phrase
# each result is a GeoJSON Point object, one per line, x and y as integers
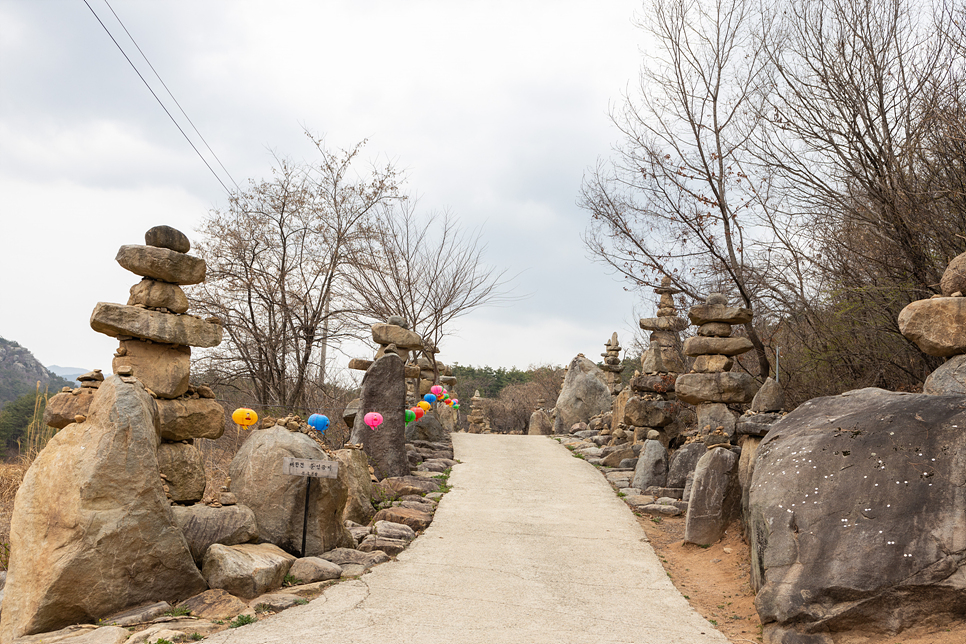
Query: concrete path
{"type": "Point", "coordinates": [530, 546]}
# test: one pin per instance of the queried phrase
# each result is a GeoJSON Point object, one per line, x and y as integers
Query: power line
{"type": "Point", "coordinates": [163, 84]}
{"type": "Point", "coordinates": [123, 53]}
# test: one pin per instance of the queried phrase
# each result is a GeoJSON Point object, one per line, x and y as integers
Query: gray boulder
{"type": "Point", "coordinates": [584, 395]}
{"type": "Point", "coordinates": [641, 412]}
{"type": "Point", "coordinates": [167, 237]}
{"type": "Point", "coordinates": [278, 500]}
{"type": "Point", "coordinates": [856, 515]}
{"type": "Point", "coordinates": [715, 498]}
{"type": "Point", "coordinates": [383, 391]}
{"type": "Point", "coordinates": [204, 525]}
{"type": "Point", "coordinates": [750, 424]}
{"type": "Point", "coordinates": [540, 424]}
{"type": "Point", "coordinates": [651, 467]}
{"type": "Point", "coordinates": [683, 462]}
{"type": "Point", "coordinates": [92, 507]}
{"type": "Point", "coordinates": [769, 398]}
{"type": "Point", "coordinates": [311, 569]}
{"type": "Point", "coordinates": [713, 416]}
{"type": "Point", "coordinates": [246, 570]}
{"type": "Point", "coordinates": [948, 379]}
{"type": "Point", "coordinates": [162, 264]}
{"type": "Point", "coordinates": [427, 428]}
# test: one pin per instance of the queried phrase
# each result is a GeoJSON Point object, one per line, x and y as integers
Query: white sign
{"type": "Point", "coordinates": [308, 467]}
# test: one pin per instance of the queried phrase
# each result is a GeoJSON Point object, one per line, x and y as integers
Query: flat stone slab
{"type": "Point", "coordinates": [489, 568]}
{"type": "Point", "coordinates": [162, 264]}
{"type": "Point", "coordinates": [705, 313]}
{"type": "Point", "coordinates": [121, 319]}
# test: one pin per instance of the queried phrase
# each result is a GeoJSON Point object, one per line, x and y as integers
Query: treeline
{"type": "Point", "coordinates": [510, 395]}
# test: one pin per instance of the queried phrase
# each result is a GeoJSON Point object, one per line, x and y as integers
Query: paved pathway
{"type": "Point", "coordinates": [531, 546]}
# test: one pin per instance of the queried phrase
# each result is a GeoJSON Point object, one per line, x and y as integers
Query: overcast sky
{"type": "Point", "coordinates": [494, 110]}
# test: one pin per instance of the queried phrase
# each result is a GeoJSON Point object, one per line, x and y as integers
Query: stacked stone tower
{"type": "Point", "coordinates": [711, 386]}
{"type": "Point", "coordinates": [156, 335]}
{"type": "Point", "coordinates": [612, 366]}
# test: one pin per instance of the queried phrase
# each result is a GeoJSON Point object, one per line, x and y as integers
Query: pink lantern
{"type": "Point", "coordinates": [373, 419]}
{"type": "Point", "coordinates": [436, 390]}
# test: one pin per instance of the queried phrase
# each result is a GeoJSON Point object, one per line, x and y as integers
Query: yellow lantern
{"type": "Point", "coordinates": [244, 416]}
{"type": "Point", "coordinates": [425, 406]}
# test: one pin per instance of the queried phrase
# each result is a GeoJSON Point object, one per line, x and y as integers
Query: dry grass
{"type": "Point", "coordinates": [11, 474]}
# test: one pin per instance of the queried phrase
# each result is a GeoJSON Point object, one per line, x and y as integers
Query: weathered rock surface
{"type": "Point", "coordinates": [641, 412]}
{"type": "Point", "coordinates": [144, 613]}
{"type": "Point", "coordinates": [161, 264]}
{"type": "Point", "coordinates": [313, 569]}
{"type": "Point", "coordinates": [715, 330]}
{"type": "Point", "coordinates": [715, 416]}
{"type": "Point", "coordinates": [63, 407]}
{"type": "Point", "coordinates": [358, 506]}
{"type": "Point", "coordinates": [705, 313]}
{"type": "Point", "coordinates": [386, 334]}
{"type": "Point", "coordinates": [204, 526]}
{"type": "Point", "coordinates": [937, 326]}
{"type": "Point", "coordinates": [746, 470]}
{"type": "Point", "coordinates": [278, 500]}
{"type": "Point", "coordinates": [119, 319]}
{"type": "Point", "coordinates": [78, 634]}
{"type": "Point", "coordinates": [712, 364]}
{"type": "Point", "coordinates": [158, 295]}
{"type": "Point", "coordinates": [651, 469]}
{"type": "Point", "coordinates": [346, 557]}
{"type": "Point", "coordinates": [669, 323]}
{"type": "Point", "coordinates": [756, 424]}
{"type": "Point", "coordinates": [383, 391]}
{"type": "Point", "coordinates": [427, 428]}
{"type": "Point", "coordinates": [92, 506]}
{"type": "Point", "coordinates": [700, 345]}
{"type": "Point", "coordinates": [715, 498]}
{"type": "Point", "coordinates": [191, 418]}
{"type": "Point", "coordinates": [216, 603]}
{"type": "Point", "coordinates": [540, 424]}
{"type": "Point", "coordinates": [653, 383]}
{"type": "Point", "coordinates": [167, 237]}
{"type": "Point", "coordinates": [954, 277]}
{"type": "Point", "coordinates": [163, 368]}
{"type": "Point", "coordinates": [184, 469]}
{"type": "Point", "coordinates": [391, 547]}
{"type": "Point", "coordinates": [397, 486]}
{"type": "Point", "coordinates": [415, 519]}
{"type": "Point", "coordinates": [948, 379]}
{"type": "Point", "coordinates": [856, 515]}
{"type": "Point", "coordinates": [246, 570]}
{"type": "Point", "coordinates": [694, 388]}
{"type": "Point", "coordinates": [584, 395]}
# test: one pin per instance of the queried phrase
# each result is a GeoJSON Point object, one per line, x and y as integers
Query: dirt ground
{"type": "Point", "coordinates": [715, 581]}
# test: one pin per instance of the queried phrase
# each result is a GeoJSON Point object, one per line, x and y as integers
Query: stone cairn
{"type": "Point", "coordinates": [156, 335]}
{"type": "Point", "coordinates": [652, 408]}
{"type": "Point", "coordinates": [72, 405]}
{"type": "Point", "coordinates": [612, 366]}
{"type": "Point", "coordinates": [936, 326]}
{"type": "Point", "coordinates": [479, 424]}
{"type": "Point", "coordinates": [711, 386]}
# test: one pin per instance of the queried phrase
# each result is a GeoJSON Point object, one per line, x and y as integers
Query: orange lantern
{"type": "Point", "coordinates": [244, 416]}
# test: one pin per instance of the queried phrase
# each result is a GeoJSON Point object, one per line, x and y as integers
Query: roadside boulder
{"type": "Point", "coordinates": [715, 498]}
{"type": "Point", "coordinates": [383, 391]}
{"type": "Point", "coordinates": [584, 394]}
{"type": "Point", "coordinates": [358, 506]}
{"type": "Point", "coordinates": [246, 570]}
{"type": "Point", "coordinates": [856, 516]}
{"type": "Point", "coordinates": [278, 500]}
{"type": "Point", "coordinates": [204, 526]}
{"type": "Point", "coordinates": [92, 507]}
{"type": "Point", "coordinates": [540, 424]}
{"type": "Point", "coordinates": [651, 468]}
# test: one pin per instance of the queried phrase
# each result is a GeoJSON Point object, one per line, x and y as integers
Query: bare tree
{"type": "Point", "coordinates": [679, 199]}
{"type": "Point", "coordinates": [278, 259]}
{"type": "Point", "coordinates": [424, 268]}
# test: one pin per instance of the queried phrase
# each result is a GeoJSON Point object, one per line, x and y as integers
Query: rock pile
{"type": "Point", "coordinates": [541, 423]}
{"type": "Point", "coordinates": [72, 405]}
{"type": "Point", "coordinates": [479, 423]}
{"type": "Point", "coordinates": [156, 336]}
{"type": "Point", "coordinates": [612, 366]}
{"type": "Point", "coordinates": [938, 327]}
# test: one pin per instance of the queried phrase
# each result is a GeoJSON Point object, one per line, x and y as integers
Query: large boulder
{"type": "Point", "coordinates": [91, 509]}
{"type": "Point", "coordinates": [584, 395]}
{"type": "Point", "coordinates": [540, 424]}
{"type": "Point", "coordinates": [386, 334]}
{"type": "Point", "coordinates": [427, 428]}
{"type": "Point", "coordinates": [278, 500]}
{"type": "Point", "coordinates": [949, 378]}
{"type": "Point", "coordinates": [161, 264]}
{"type": "Point", "coordinates": [729, 387]}
{"type": "Point", "coordinates": [383, 391]}
{"type": "Point", "coordinates": [358, 505]}
{"type": "Point", "coordinates": [937, 326]}
{"type": "Point", "coordinates": [246, 570]}
{"type": "Point", "coordinates": [715, 498]}
{"type": "Point", "coordinates": [163, 368]}
{"type": "Point", "coordinates": [187, 418]}
{"type": "Point", "coordinates": [651, 468]}
{"type": "Point", "coordinates": [120, 319]}
{"type": "Point", "coordinates": [204, 525]}
{"type": "Point", "coordinates": [683, 462]}
{"type": "Point", "coordinates": [857, 516]}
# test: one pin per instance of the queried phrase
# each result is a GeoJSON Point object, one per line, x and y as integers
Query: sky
{"type": "Point", "coordinates": [494, 110]}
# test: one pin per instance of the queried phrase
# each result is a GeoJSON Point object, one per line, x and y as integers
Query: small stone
{"type": "Point", "coordinates": [124, 370]}
{"type": "Point", "coordinates": [80, 418]}
{"type": "Point", "coordinates": [653, 435]}
{"type": "Point", "coordinates": [154, 294]}
{"type": "Point", "coordinates": [716, 298]}
{"type": "Point", "coordinates": [167, 237]}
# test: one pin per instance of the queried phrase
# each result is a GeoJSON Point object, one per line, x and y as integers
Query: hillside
{"type": "Point", "coordinates": [20, 371]}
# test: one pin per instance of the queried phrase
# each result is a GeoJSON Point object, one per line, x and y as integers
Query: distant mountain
{"type": "Point", "coordinates": [67, 373]}
{"type": "Point", "coordinates": [20, 372]}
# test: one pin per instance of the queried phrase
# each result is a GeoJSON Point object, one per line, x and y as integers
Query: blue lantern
{"type": "Point", "coordinates": [430, 398]}
{"type": "Point", "coordinates": [319, 422]}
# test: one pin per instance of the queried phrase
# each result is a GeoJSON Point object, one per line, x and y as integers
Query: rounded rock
{"type": "Point", "coordinates": [716, 298]}
{"type": "Point", "coordinates": [954, 278]}
{"type": "Point", "coordinates": [167, 237]}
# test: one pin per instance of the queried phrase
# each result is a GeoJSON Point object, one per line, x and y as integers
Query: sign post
{"type": "Point", "coordinates": [310, 469]}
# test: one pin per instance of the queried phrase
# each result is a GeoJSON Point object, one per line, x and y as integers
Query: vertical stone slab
{"type": "Point", "coordinates": [715, 497]}
{"type": "Point", "coordinates": [384, 391]}
{"type": "Point", "coordinates": [651, 466]}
